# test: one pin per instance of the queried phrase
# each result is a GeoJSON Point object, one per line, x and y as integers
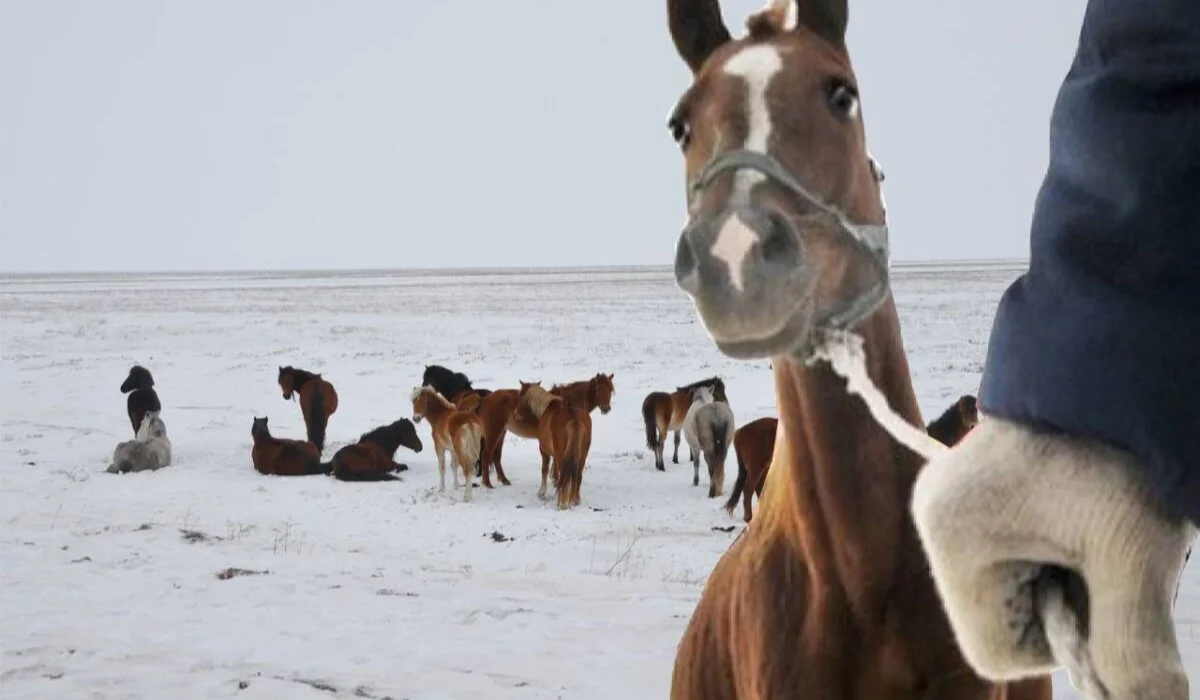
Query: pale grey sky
{"type": "Point", "coordinates": [280, 134]}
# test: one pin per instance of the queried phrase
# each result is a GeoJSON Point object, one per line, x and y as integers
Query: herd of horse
{"type": "Point", "coordinates": [468, 426]}
{"type": "Point", "coordinates": [826, 593]}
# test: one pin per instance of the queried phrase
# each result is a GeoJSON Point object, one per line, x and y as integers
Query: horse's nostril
{"type": "Point", "coordinates": [685, 266]}
{"type": "Point", "coordinates": [779, 245]}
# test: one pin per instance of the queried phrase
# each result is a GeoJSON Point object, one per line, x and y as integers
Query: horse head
{"type": "Point", "coordinates": [785, 232]}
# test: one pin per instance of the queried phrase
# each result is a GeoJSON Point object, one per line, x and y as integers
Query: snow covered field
{"type": "Point", "coordinates": [108, 584]}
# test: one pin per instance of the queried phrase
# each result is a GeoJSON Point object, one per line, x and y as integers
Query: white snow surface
{"type": "Point", "coordinates": [384, 589]}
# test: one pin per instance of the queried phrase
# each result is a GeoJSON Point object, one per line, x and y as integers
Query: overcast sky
{"type": "Point", "coordinates": [278, 134]}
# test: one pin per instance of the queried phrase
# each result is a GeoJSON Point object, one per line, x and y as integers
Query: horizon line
{"type": "Point", "coordinates": [914, 262]}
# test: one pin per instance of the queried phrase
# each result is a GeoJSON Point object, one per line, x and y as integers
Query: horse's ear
{"type": "Point", "coordinates": [697, 29]}
{"type": "Point", "coordinates": [825, 17]}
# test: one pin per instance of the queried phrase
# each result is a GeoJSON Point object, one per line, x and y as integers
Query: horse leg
{"type": "Point", "coordinates": [441, 456]}
{"type": "Point", "coordinates": [545, 469]}
{"type": "Point", "coordinates": [675, 458]}
{"type": "Point", "coordinates": [496, 459]}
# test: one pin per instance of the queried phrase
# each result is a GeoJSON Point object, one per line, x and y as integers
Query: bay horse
{"type": "Point", "coordinates": [281, 457]}
{"type": "Point", "coordinates": [318, 400]}
{"type": "Point", "coordinates": [709, 429]}
{"type": "Point", "coordinates": [564, 438]}
{"type": "Point", "coordinates": [458, 432]}
{"type": "Point", "coordinates": [148, 451]}
{"type": "Point", "coordinates": [755, 441]}
{"type": "Point", "coordinates": [827, 593]}
{"type": "Point", "coordinates": [142, 396]}
{"type": "Point", "coordinates": [956, 421]}
{"type": "Point", "coordinates": [373, 457]}
{"type": "Point", "coordinates": [663, 412]}
{"type": "Point", "coordinates": [588, 394]}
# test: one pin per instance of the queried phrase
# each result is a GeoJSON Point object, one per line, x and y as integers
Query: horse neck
{"type": "Point", "coordinates": [301, 377]}
{"type": "Point", "coordinates": [436, 409]}
{"type": "Point", "coordinates": [840, 482]}
{"type": "Point", "coordinates": [540, 401]}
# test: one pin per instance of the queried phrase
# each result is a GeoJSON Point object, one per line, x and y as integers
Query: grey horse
{"type": "Point", "coordinates": [709, 430]}
{"type": "Point", "coordinates": [149, 450]}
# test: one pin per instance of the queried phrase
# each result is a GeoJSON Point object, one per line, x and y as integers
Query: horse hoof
{"type": "Point", "coordinates": [506, 482]}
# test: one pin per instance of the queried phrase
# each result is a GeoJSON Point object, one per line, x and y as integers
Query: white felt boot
{"type": "Point", "coordinates": [1005, 503]}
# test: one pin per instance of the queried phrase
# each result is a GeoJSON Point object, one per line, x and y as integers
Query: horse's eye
{"type": "Point", "coordinates": [680, 131]}
{"type": "Point", "coordinates": [843, 99]}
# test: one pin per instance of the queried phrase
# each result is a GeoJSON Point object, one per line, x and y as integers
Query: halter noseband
{"type": "Point", "coordinates": [869, 238]}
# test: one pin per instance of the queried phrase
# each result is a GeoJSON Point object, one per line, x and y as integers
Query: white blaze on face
{"type": "Point", "coordinates": [756, 66]}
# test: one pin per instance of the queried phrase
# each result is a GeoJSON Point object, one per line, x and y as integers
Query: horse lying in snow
{"type": "Point", "coordinates": [148, 451]}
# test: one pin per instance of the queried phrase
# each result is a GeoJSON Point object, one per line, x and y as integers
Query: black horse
{"type": "Point", "coordinates": [142, 396]}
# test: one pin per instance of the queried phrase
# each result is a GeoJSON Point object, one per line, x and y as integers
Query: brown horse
{"type": "Point", "coordinates": [663, 412]}
{"type": "Point", "coordinates": [753, 444]}
{"type": "Point", "coordinates": [373, 457]}
{"type": "Point", "coordinates": [272, 455]}
{"type": "Point", "coordinates": [956, 421]}
{"type": "Point", "coordinates": [827, 594]}
{"type": "Point", "coordinates": [564, 435]}
{"type": "Point", "coordinates": [496, 411]}
{"type": "Point", "coordinates": [588, 394]}
{"type": "Point", "coordinates": [458, 432]}
{"type": "Point", "coordinates": [755, 441]}
{"type": "Point", "coordinates": [318, 400]}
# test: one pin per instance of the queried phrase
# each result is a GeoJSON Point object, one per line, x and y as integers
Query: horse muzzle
{"type": "Point", "coordinates": [746, 273]}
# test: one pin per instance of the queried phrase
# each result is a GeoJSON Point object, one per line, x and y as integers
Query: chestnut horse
{"type": "Point", "coordinates": [827, 593]}
{"type": "Point", "coordinates": [663, 412]}
{"type": "Point", "coordinates": [956, 421]}
{"type": "Point", "coordinates": [142, 396]}
{"type": "Point", "coordinates": [755, 441]}
{"type": "Point", "coordinates": [373, 457]}
{"type": "Point", "coordinates": [564, 438]}
{"type": "Point", "coordinates": [456, 387]}
{"type": "Point", "coordinates": [458, 432]}
{"type": "Point", "coordinates": [588, 394]}
{"type": "Point", "coordinates": [272, 455]}
{"type": "Point", "coordinates": [318, 400]}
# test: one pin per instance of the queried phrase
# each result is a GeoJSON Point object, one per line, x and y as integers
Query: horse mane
{"type": "Point", "coordinates": [385, 436]}
{"type": "Point", "coordinates": [539, 399]}
{"type": "Point", "coordinates": [417, 391]}
{"type": "Point", "coordinates": [713, 382]}
{"type": "Point", "coordinates": [299, 376]}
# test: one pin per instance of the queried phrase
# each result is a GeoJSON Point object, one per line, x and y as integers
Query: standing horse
{"type": "Point", "coordinates": [282, 457]}
{"type": "Point", "coordinates": [564, 439]}
{"type": "Point", "coordinates": [458, 432]}
{"type": "Point", "coordinates": [149, 450]}
{"type": "Point", "coordinates": [753, 444]}
{"type": "Point", "coordinates": [318, 400]}
{"type": "Point", "coordinates": [373, 457]}
{"type": "Point", "coordinates": [709, 428]}
{"type": "Point", "coordinates": [663, 412]}
{"type": "Point", "coordinates": [588, 394]}
{"type": "Point", "coordinates": [955, 422]}
{"type": "Point", "coordinates": [755, 441]}
{"type": "Point", "coordinates": [142, 396]}
{"type": "Point", "coordinates": [827, 594]}
{"type": "Point", "coordinates": [451, 385]}
{"type": "Point", "coordinates": [496, 411]}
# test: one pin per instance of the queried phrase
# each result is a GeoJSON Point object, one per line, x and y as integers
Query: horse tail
{"type": "Point", "coordinates": [572, 454]}
{"type": "Point", "coordinates": [740, 483]}
{"type": "Point", "coordinates": [720, 445]}
{"type": "Point", "coordinates": [482, 452]}
{"type": "Point", "coordinates": [317, 421]}
{"type": "Point", "coordinates": [648, 415]}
